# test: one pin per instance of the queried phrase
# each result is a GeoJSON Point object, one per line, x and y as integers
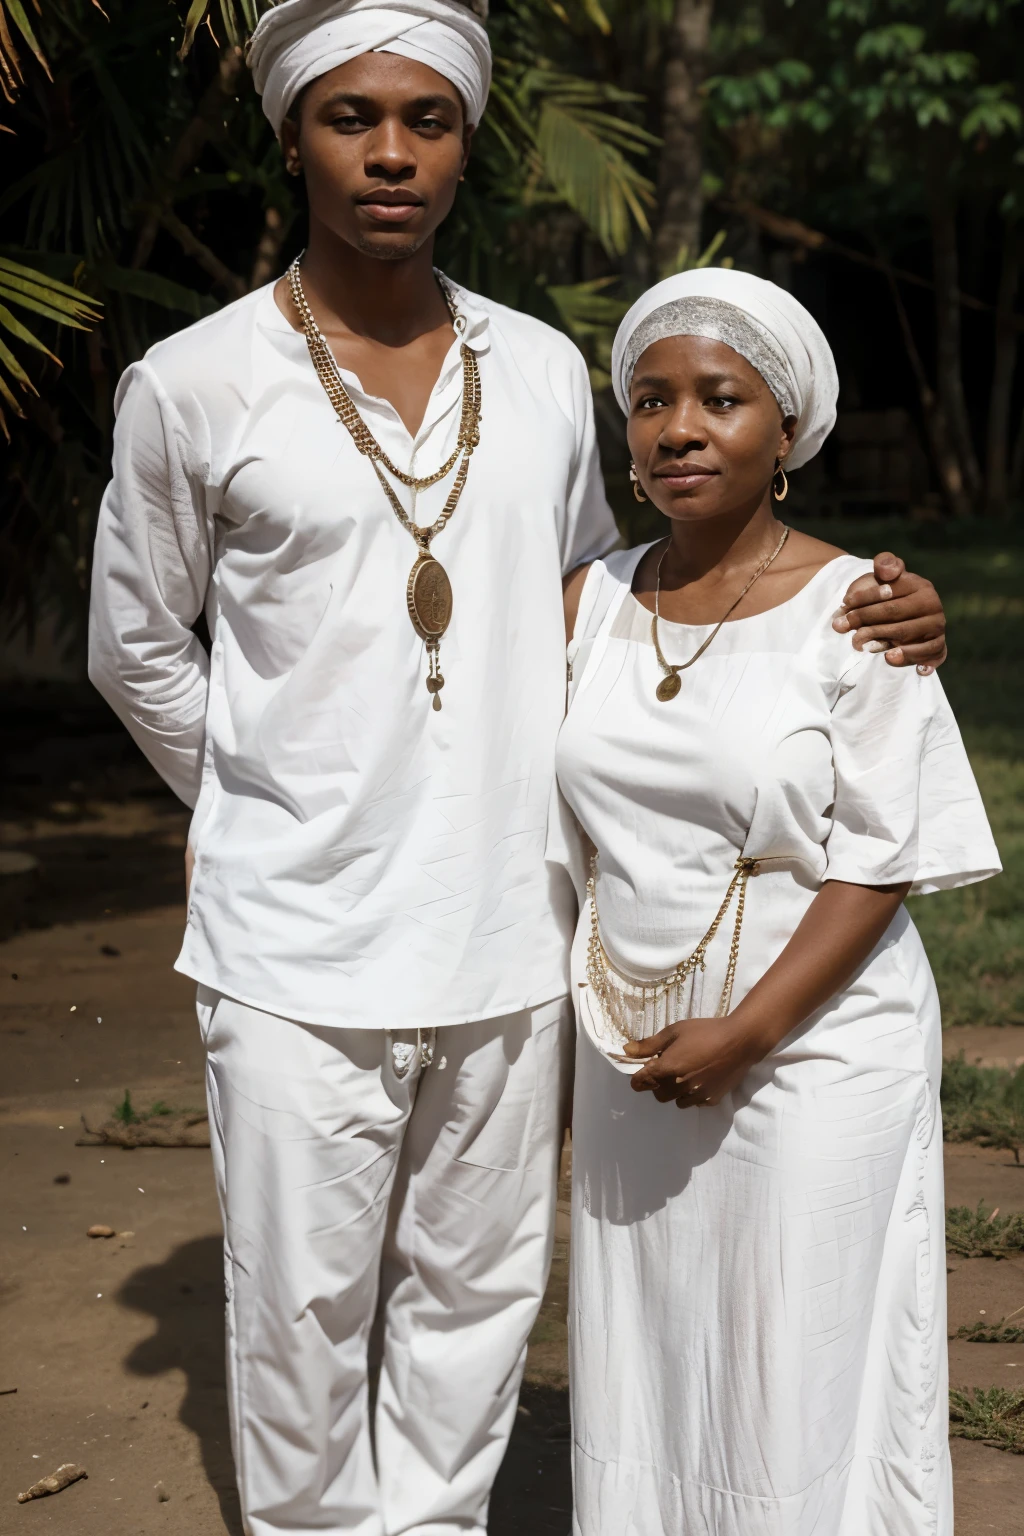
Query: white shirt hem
{"type": "Point", "coordinates": [548, 993]}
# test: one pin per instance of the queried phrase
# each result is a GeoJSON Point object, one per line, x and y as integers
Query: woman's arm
{"type": "Point", "coordinates": [699, 1061]}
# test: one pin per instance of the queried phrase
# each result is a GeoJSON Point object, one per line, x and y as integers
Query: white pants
{"type": "Point", "coordinates": [354, 1176]}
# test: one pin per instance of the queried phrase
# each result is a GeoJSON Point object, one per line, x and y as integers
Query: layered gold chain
{"type": "Point", "coordinates": [670, 683]}
{"type": "Point", "coordinates": [428, 591]}
{"type": "Point", "coordinates": [636, 1009]}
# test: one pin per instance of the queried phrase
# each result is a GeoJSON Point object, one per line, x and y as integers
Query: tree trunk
{"type": "Point", "coordinates": [948, 360]}
{"type": "Point", "coordinates": [997, 446]}
{"type": "Point", "coordinates": [944, 457]}
{"type": "Point", "coordinates": [680, 194]}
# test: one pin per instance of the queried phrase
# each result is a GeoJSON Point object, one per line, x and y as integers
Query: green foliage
{"type": "Point", "coordinates": [124, 1111]}
{"type": "Point", "coordinates": [237, 17]}
{"type": "Point", "coordinates": [983, 1234]}
{"type": "Point", "coordinates": [995, 1333]}
{"type": "Point", "coordinates": [994, 1415]}
{"type": "Point", "coordinates": [14, 21]}
{"type": "Point", "coordinates": [582, 155]}
{"type": "Point", "coordinates": [27, 288]}
{"type": "Point", "coordinates": [983, 1104]}
{"type": "Point", "coordinates": [158, 193]}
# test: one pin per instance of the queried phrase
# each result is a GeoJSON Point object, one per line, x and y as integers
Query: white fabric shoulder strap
{"type": "Point", "coordinates": [607, 583]}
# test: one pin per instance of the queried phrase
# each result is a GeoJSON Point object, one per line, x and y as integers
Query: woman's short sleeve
{"type": "Point", "coordinates": [907, 805]}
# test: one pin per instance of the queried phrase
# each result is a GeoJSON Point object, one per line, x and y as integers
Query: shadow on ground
{"type": "Point", "coordinates": [103, 833]}
{"type": "Point", "coordinates": [84, 875]}
{"type": "Point", "coordinates": [534, 1490]}
{"type": "Point", "coordinates": [185, 1297]}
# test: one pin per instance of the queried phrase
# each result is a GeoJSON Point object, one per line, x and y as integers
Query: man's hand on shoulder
{"type": "Point", "coordinates": [896, 612]}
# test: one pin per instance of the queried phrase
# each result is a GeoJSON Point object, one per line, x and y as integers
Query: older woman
{"type": "Point", "coordinates": [758, 1308]}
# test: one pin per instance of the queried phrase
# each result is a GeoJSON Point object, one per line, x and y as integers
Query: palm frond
{"type": "Point", "coordinates": [585, 166]}
{"type": "Point", "coordinates": [14, 19]}
{"type": "Point", "coordinates": [28, 288]}
{"type": "Point", "coordinates": [563, 137]}
{"type": "Point", "coordinates": [238, 18]}
{"type": "Point", "coordinates": [12, 78]}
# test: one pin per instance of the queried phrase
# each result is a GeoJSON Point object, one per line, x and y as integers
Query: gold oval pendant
{"type": "Point", "coordinates": [668, 687]}
{"type": "Point", "coordinates": [429, 598]}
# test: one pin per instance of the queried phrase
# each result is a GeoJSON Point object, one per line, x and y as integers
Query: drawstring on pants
{"type": "Point", "coordinates": [404, 1052]}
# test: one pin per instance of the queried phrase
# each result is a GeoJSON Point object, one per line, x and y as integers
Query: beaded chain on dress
{"type": "Point", "coordinates": [632, 1008]}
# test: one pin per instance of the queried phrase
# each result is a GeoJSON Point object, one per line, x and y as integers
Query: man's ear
{"type": "Point", "coordinates": [289, 140]}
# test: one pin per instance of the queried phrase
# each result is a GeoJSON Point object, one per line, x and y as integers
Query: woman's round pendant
{"type": "Point", "coordinates": [669, 687]}
{"type": "Point", "coordinates": [429, 598]}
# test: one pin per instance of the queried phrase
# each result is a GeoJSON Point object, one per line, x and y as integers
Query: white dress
{"type": "Point", "coordinates": [757, 1312]}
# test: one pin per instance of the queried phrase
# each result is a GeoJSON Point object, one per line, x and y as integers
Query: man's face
{"type": "Point", "coordinates": [382, 141]}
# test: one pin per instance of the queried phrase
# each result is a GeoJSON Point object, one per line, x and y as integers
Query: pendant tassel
{"type": "Point", "coordinates": [435, 682]}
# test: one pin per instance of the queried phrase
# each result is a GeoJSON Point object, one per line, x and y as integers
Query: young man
{"type": "Point", "coordinates": [379, 941]}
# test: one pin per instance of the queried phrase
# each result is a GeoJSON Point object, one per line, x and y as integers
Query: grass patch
{"type": "Point", "coordinates": [126, 1113]}
{"type": "Point", "coordinates": [994, 1415]}
{"type": "Point", "coordinates": [998, 1333]}
{"type": "Point", "coordinates": [983, 1104]}
{"type": "Point", "coordinates": [983, 1234]}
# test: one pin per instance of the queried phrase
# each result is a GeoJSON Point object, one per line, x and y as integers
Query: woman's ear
{"type": "Point", "coordinates": [786, 436]}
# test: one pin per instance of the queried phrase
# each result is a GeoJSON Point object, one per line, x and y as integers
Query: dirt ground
{"type": "Point", "coordinates": [112, 1349]}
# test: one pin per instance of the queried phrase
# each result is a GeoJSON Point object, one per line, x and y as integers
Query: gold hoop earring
{"type": "Point", "coordinates": [780, 495]}
{"type": "Point", "coordinates": [635, 481]}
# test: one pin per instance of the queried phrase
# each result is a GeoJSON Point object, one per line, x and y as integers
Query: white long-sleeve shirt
{"type": "Point", "coordinates": [360, 858]}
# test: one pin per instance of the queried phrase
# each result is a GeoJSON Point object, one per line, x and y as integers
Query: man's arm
{"type": "Point", "coordinates": [151, 568]}
{"type": "Point", "coordinates": [897, 612]}
{"type": "Point", "coordinates": [588, 527]}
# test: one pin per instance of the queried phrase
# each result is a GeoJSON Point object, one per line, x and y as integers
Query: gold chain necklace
{"type": "Point", "coordinates": [670, 684]}
{"type": "Point", "coordinates": [428, 593]}
{"type": "Point", "coordinates": [635, 1009]}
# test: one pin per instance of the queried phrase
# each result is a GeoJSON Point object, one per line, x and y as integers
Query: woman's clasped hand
{"type": "Point", "coordinates": [696, 1061]}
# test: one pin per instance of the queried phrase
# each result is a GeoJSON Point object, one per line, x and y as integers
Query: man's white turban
{"type": "Point", "coordinates": [760, 321]}
{"type": "Point", "coordinates": [300, 40]}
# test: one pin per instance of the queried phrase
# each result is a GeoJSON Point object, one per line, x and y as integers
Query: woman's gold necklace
{"type": "Point", "coordinates": [670, 684]}
{"type": "Point", "coordinates": [428, 592]}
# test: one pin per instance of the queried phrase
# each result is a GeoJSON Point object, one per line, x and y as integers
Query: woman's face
{"type": "Point", "coordinates": [704, 429]}
{"type": "Point", "coordinates": [382, 141]}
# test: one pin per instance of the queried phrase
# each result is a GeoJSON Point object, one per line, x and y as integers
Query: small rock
{"type": "Point", "coordinates": [62, 1178]}
{"type": "Point", "coordinates": [162, 1496]}
{"type": "Point", "coordinates": [101, 1231]}
{"type": "Point", "coordinates": [14, 862]}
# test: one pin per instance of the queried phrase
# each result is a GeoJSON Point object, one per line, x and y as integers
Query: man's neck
{"type": "Point", "coordinates": [390, 302]}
